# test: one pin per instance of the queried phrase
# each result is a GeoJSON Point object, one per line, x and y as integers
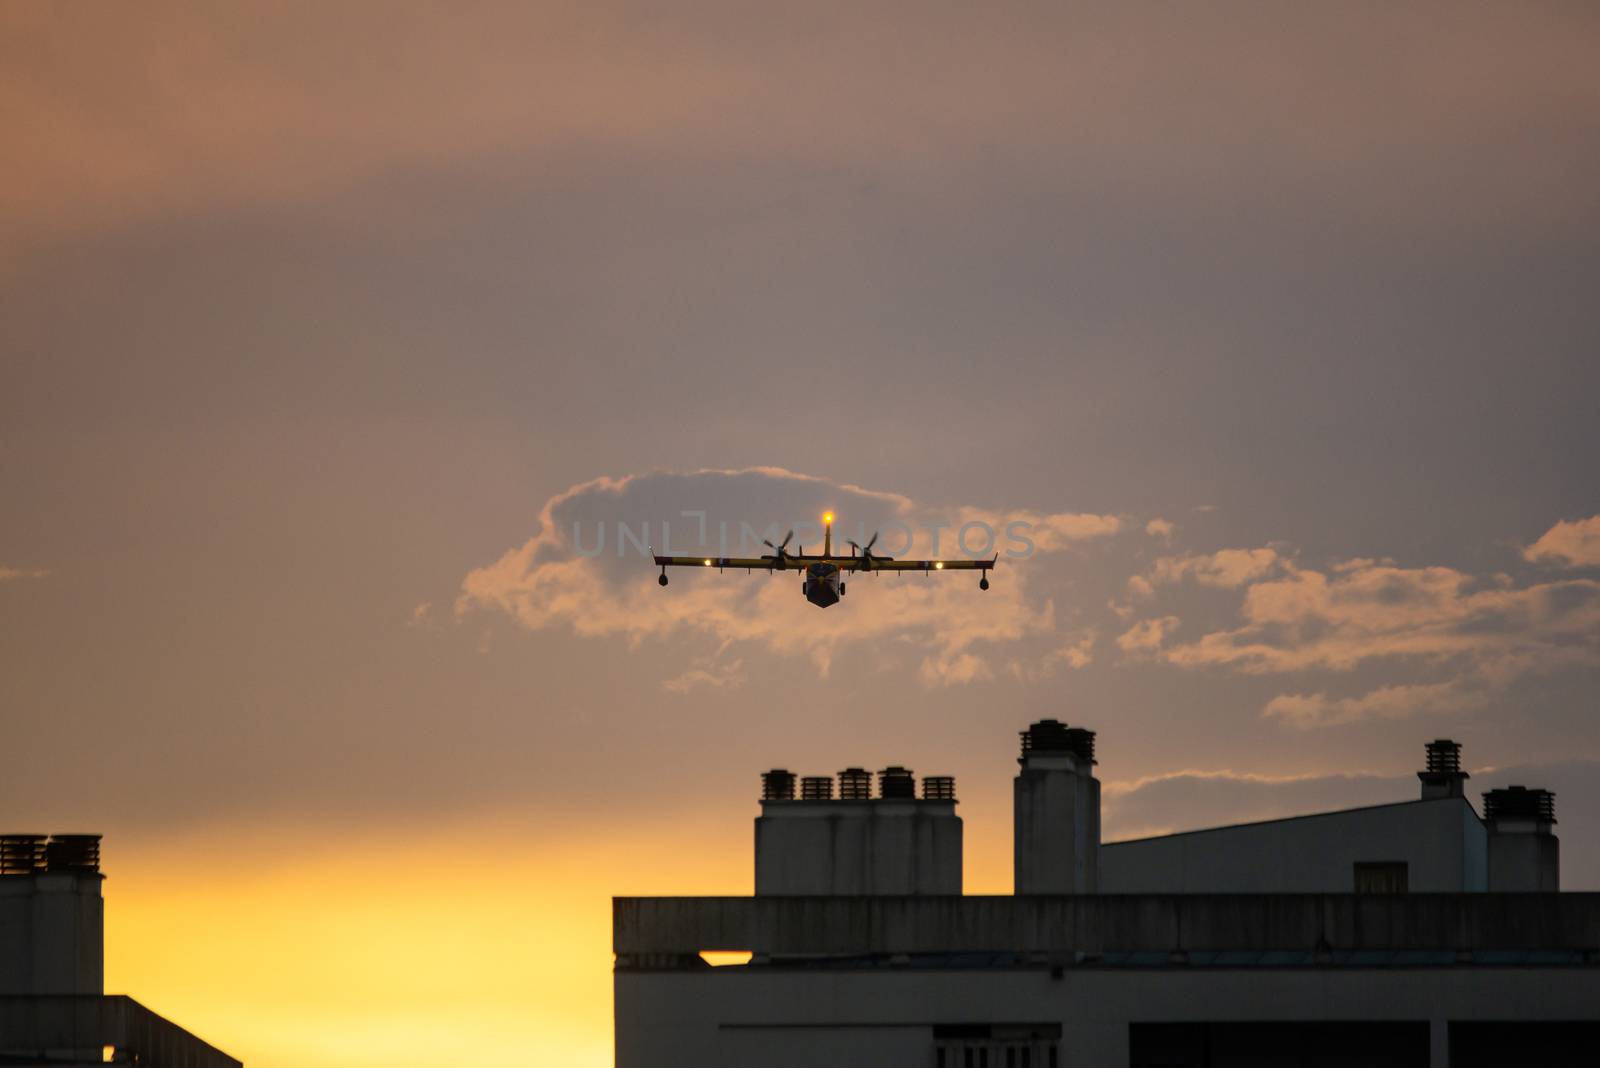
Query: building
{"type": "Point", "coordinates": [53, 1007]}
{"type": "Point", "coordinates": [1408, 934]}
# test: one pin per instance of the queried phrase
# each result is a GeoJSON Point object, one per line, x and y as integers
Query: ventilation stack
{"type": "Point", "coordinates": [1056, 808]}
{"type": "Point", "coordinates": [51, 915]}
{"type": "Point", "coordinates": [894, 843]}
{"type": "Point", "coordinates": [1443, 777]}
{"type": "Point", "coordinates": [1524, 853]}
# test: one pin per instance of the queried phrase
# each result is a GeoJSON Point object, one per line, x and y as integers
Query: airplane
{"type": "Point", "coordinates": [823, 579]}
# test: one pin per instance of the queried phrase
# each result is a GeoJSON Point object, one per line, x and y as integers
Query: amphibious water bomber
{"type": "Point", "coordinates": [823, 573]}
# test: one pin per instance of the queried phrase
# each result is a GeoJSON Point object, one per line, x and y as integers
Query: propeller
{"type": "Point", "coordinates": [779, 550]}
{"type": "Point", "coordinates": [866, 552]}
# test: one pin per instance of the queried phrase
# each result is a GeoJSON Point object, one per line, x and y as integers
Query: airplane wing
{"type": "Point", "coordinates": [762, 562]}
{"type": "Point", "coordinates": [964, 564]}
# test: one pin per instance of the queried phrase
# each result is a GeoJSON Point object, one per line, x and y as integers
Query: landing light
{"type": "Point", "coordinates": [827, 517]}
{"type": "Point", "coordinates": [939, 565]}
{"type": "Point", "coordinates": [708, 563]}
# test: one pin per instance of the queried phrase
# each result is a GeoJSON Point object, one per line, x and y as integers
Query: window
{"type": "Point", "coordinates": [1005, 1045]}
{"type": "Point", "coordinates": [1381, 877]}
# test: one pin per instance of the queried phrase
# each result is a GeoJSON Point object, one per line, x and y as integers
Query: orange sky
{"type": "Point", "coordinates": [388, 948]}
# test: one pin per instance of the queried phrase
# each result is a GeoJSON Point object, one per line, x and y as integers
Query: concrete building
{"type": "Point", "coordinates": [1405, 934]}
{"type": "Point", "coordinates": [53, 1007]}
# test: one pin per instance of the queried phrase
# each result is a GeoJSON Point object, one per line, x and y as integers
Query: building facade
{"type": "Point", "coordinates": [1409, 934]}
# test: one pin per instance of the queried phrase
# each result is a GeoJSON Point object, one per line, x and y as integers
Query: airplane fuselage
{"type": "Point", "coordinates": [823, 584]}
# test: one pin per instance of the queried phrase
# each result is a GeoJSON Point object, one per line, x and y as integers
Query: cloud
{"type": "Point", "coordinates": [1365, 611]}
{"type": "Point", "coordinates": [952, 670]}
{"type": "Point", "coordinates": [1161, 528]}
{"type": "Point", "coordinates": [584, 569]}
{"type": "Point", "coordinates": [11, 574]}
{"type": "Point", "coordinates": [1075, 654]}
{"type": "Point", "coordinates": [706, 672]}
{"type": "Point", "coordinates": [1568, 544]}
{"type": "Point", "coordinates": [1223, 569]}
{"type": "Point", "coordinates": [1051, 532]}
{"type": "Point", "coordinates": [1147, 635]}
{"type": "Point", "coordinates": [115, 128]}
{"type": "Point", "coordinates": [1307, 711]}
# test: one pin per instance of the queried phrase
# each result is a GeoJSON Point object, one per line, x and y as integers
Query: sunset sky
{"type": "Point", "coordinates": [322, 324]}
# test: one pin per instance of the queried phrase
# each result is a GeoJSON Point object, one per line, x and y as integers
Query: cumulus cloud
{"type": "Point", "coordinates": [1485, 633]}
{"type": "Point", "coordinates": [1161, 528]}
{"type": "Point", "coordinates": [1147, 635]}
{"type": "Point", "coordinates": [585, 569]}
{"type": "Point", "coordinates": [1223, 569]}
{"type": "Point", "coordinates": [1365, 611]}
{"type": "Point", "coordinates": [1568, 544]}
{"type": "Point", "coordinates": [1076, 653]}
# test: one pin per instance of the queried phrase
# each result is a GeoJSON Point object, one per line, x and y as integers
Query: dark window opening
{"type": "Point", "coordinates": [1381, 877]}
{"type": "Point", "coordinates": [1307, 1044]}
{"type": "Point", "coordinates": [1523, 1043]}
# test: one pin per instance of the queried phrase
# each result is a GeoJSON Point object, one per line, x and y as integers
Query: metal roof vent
{"type": "Point", "coordinates": [895, 782]}
{"type": "Point", "coordinates": [777, 785]}
{"type": "Point", "coordinates": [855, 784]}
{"type": "Point", "coordinates": [938, 788]}
{"type": "Point", "coordinates": [72, 852]}
{"type": "Point", "coordinates": [28, 854]}
{"type": "Point", "coordinates": [816, 788]}
{"type": "Point", "coordinates": [1443, 776]}
{"type": "Point", "coordinates": [21, 854]}
{"type": "Point", "coordinates": [1519, 803]}
{"type": "Point", "coordinates": [1053, 736]}
{"type": "Point", "coordinates": [1444, 757]}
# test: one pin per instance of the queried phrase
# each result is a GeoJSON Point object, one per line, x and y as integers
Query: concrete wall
{"type": "Point", "coordinates": [1067, 925]}
{"type": "Point", "coordinates": [1442, 842]}
{"type": "Point", "coordinates": [1056, 825]}
{"type": "Point", "coordinates": [52, 934]}
{"type": "Point", "coordinates": [752, 1015]}
{"type": "Point", "coordinates": [858, 847]}
{"type": "Point", "coordinates": [1524, 859]}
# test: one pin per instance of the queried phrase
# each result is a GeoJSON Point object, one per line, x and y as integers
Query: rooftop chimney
{"type": "Point", "coordinates": [777, 785]}
{"type": "Point", "coordinates": [1524, 853]}
{"type": "Point", "coordinates": [895, 843]}
{"type": "Point", "coordinates": [816, 788]}
{"type": "Point", "coordinates": [896, 783]}
{"type": "Point", "coordinates": [1443, 776]}
{"type": "Point", "coordinates": [52, 917]}
{"type": "Point", "coordinates": [855, 784]}
{"type": "Point", "coordinates": [1056, 811]}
